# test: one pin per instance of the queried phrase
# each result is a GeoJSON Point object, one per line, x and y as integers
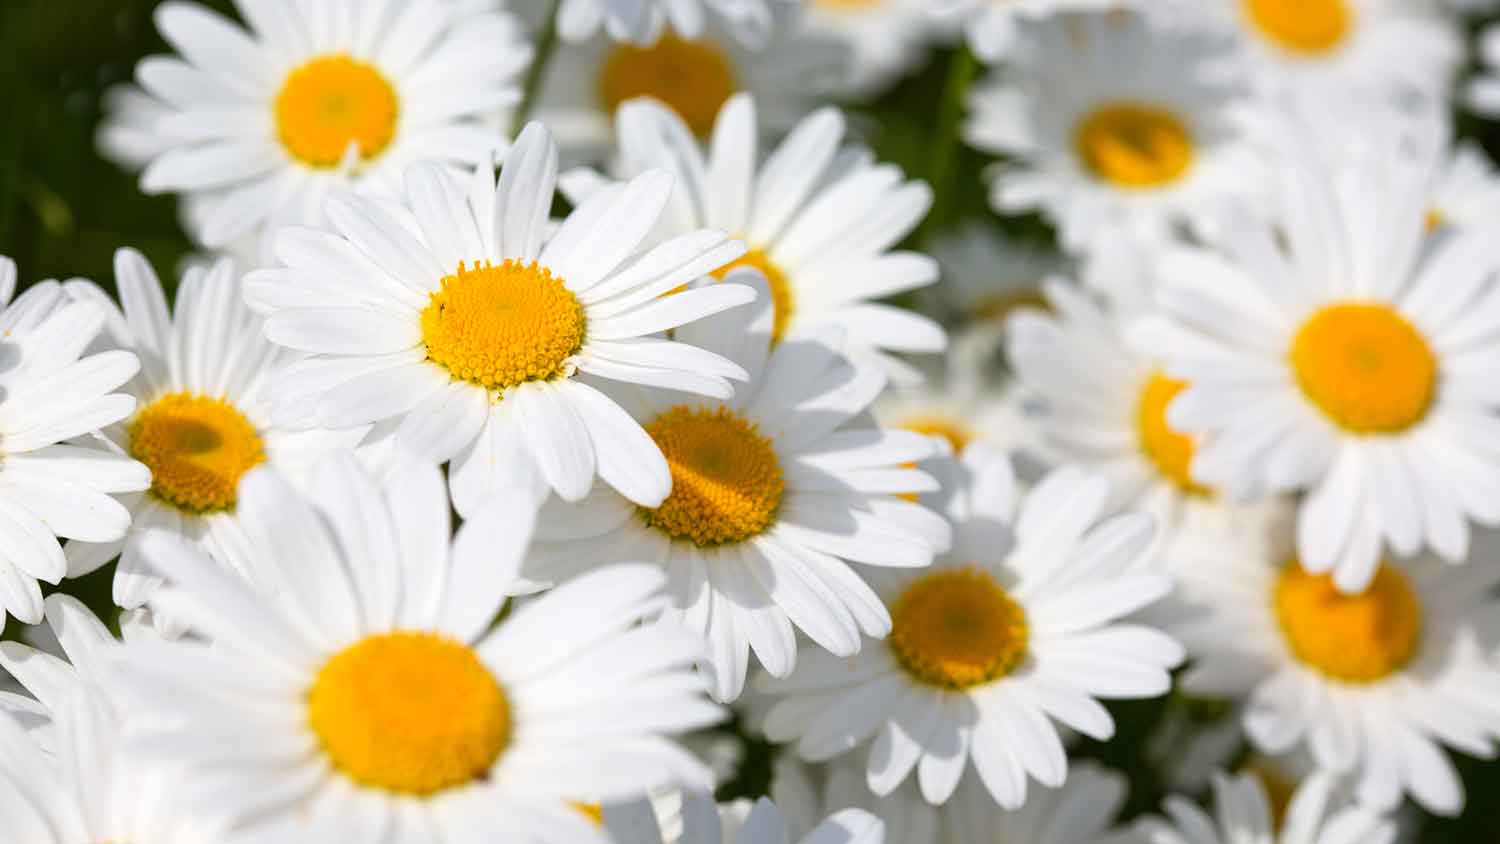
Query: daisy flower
{"type": "Point", "coordinates": [987, 273]}
{"type": "Point", "coordinates": [1018, 625]}
{"type": "Point", "coordinates": [820, 222]}
{"type": "Point", "coordinates": [459, 317]}
{"type": "Point", "coordinates": [643, 22]}
{"type": "Point", "coordinates": [1467, 192]}
{"type": "Point", "coordinates": [1115, 119]}
{"type": "Point", "coordinates": [1314, 816]}
{"type": "Point", "coordinates": [991, 27]}
{"type": "Point", "coordinates": [1337, 349]}
{"type": "Point", "coordinates": [887, 38]}
{"type": "Point", "coordinates": [1484, 90]}
{"type": "Point", "coordinates": [358, 691]}
{"type": "Point", "coordinates": [739, 822]}
{"type": "Point", "coordinates": [202, 417]}
{"type": "Point", "coordinates": [1374, 684]}
{"type": "Point", "coordinates": [254, 125]}
{"type": "Point", "coordinates": [774, 493]}
{"type": "Point", "coordinates": [51, 392]}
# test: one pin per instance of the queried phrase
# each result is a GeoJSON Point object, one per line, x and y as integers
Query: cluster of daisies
{"type": "Point", "coordinates": [554, 387]}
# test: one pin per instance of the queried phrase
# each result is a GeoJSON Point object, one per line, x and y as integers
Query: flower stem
{"type": "Point", "coordinates": [546, 45]}
{"type": "Point", "coordinates": [961, 72]}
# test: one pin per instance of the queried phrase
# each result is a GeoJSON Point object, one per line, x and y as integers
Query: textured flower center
{"type": "Point", "coordinates": [958, 629]}
{"type": "Point", "coordinates": [502, 325]}
{"type": "Point", "coordinates": [1365, 367]}
{"type": "Point", "coordinates": [782, 301]}
{"type": "Point", "coordinates": [1131, 145]}
{"type": "Point", "coordinates": [694, 78]}
{"type": "Point", "coordinates": [726, 479]}
{"type": "Point", "coordinates": [1169, 451]}
{"type": "Point", "coordinates": [410, 713]}
{"type": "Point", "coordinates": [197, 448]}
{"type": "Point", "coordinates": [950, 428]}
{"type": "Point", "coordinates": [1353, 638]}
{"type": "Point", "coordinates": [1302, 26]}
{"type": "Point", "coordinates": [332, 101]}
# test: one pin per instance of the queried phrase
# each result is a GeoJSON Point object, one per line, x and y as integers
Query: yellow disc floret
{"type": "Point", "coordinates": [726, 479]}
{"type": "Point", "coordinates": [1365, 367]}
{"type": "Point", "coordinates": [410, 713]}
{"type": "Point", "coordinates": [1351, 638]}
{"type": "Point", "coordinates": [782, 300]}
{"type": "Point", "coordinates": [197, 448]}
{"type": "Point", "coordinates": [957, 629]}
{"type": "Point", "coordinates": [502, 325]}
{"type": "Point", "coordinates": [694, 78]}
{"type": "Point", "coordinates": [1302, 26]}
{"type": "Point", "coordinates": [331, 101]}
{"type": "Point", "coordinates": [1169, 451]}
{"type": "Point", "coordinates": [1134, 146]}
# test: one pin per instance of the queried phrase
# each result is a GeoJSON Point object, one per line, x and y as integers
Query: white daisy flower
{"type": "Point", "coordinates": [991, 27]}
{"type": "Point", "coordinates": [202, 418]}
{"type": "Point", "coordinates": [1243, 813]}
{"type": "Point", "coordinates": [458, 316]}
{"type": "Point", "coordinates": [988, 273]}
{"type": "Point", "coordinates": [774, 493]}
{"type": "Point", "coordinates": [1467, 192]}
{"type": "Point", "coordinates": [358, 691]}
{"type": "Point", "coordinates": [1341, 351]}
{"type": "Point", "coordinates": [1018, 625]}
{"type": "Point", "coordinates": [820, 222]}
{"type": "Point", "coordinates": [255, 125]}
{"type": "Point", "coordinates": [51, 392]}
{"type": "Point", "coordinates": [1116, 119]}
{"type": "Point", "coordinates": [887, 38]}
{"type": "Point", "coordinates": [1373, 684]}
{"type": "Point", "coordinates": [740, 822]}
{"type": "Point", "coordinates": [644, 21]}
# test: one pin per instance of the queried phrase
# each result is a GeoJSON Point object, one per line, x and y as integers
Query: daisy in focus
{"type": "Point", "coordinates": [358, 690]}
{"type": "Point", "coordinates": [456, 317]}
{"type": "Point", "coordinates": [52, 393]}
{"type": "Point", "coordinates": [1116, 119]}
{"type": "Point", "coordinates": [775, 493]}
{"type": "Point", "coordinates": [991, 28]}
{"type": "Point", "coordinates": [740, 822]}
{"type": "Point", "coordinates": [821, 222]}
{"type": "Point", "coordinates": [887, 38]}
{"type": "Point", "coordinates": [1244, 813]}
{"type": "Point", "coordinates": [1019, 625]}
{"type": "Point", "coordinates": [255, 125]}
{"type": "Point", "coordinates": [643, 22]}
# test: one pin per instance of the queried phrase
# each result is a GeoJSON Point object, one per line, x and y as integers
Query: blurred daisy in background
{"type": "Point", "coordinates": [1483, 94]}
{"type": "Point", "coordinates": [987, 273]}
{"type": "Point", "coordinates": [643, 22]}
{"type": "Point", "coordinates": [1467, 193]}
{"type": "Point", "coordinates": [740, 822]}
{"type": "Point", "coordinates": [1020, 624]}
{"type": "Point", "coordinates": [775, 492]}
{"type": "Point", "coordinates": [887, 38]}
{"type": "Point", "coordinates": [1316, 815]}
{"type": "Point", "coordinates": [991, 28]}
{"type": "Point", "coordinates": [1116, 119]}
{"type": "Point", "coordinates": [254, 126]}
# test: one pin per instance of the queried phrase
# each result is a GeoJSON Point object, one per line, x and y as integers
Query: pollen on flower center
{"type": "Point", "coordinates": [957, 629]}
{"type": "Point", "coordinates": [1302, 26]}
{"type": "Point", "coordinates": [782, 300]}
{"type": "Point", "coordinates": [694, 78]}
{"type": "Point", "coordinates": [197, 448]}
{"type": "Point", "coordinates": [329, 102]}
{"type": "Point", "coordinates": [1169, 451]}
{"type": "Point", "coordinates": [1365, 367]}
{"type": "Point", "coordinates": [1134, 145]}
{"type": "Point", "coordinates": [1352, 638]}
{"type": "Point", "coordinates": [410, 713]}
{"type": "Point", "coordinates": [726, 479]}
{"type": "Point", "coordinates": [502, 325]}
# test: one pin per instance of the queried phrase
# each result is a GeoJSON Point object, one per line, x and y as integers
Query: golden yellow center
{"type": "Point", "coordinates": [410, 713]}
{"type": "Point", "coordinates": [949, 428]}
{"type": "Point", "coordinates": [957, 629]}
{"type": "Point", "coordinates": [593, 811]}
{"type": "Point", "coordinates": [1169, 451]}
{"type": "Point", "coordinates": [197, 448]}
{"type": "Point", "coordinates": [726, 478]}
{"type": "Point", "coordinates": [1434, 220]}
{"type": "Point", "coordinates": [694, 78]}
{"type": "Point", "coordinates": [1352, 638]}
{"type": "Point", "coordinates": [1135, 146]}
{"type": "Point", "coordinates": [333, 101]}
{"type": "Point", "coordinates": [1365, 367]}
{"type": "Point", "coordinates": [782, 300]}
{"type": "Point", "coordinates": [502, 325]}
{"type": "Point", "coordinates": [1302, 26]}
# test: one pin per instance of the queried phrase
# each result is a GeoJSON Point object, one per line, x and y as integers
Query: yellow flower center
{"type": "Point", "coordinates": [726, 479]}
{"type": "Point", "coordinates": [694, 78]}
{"type": "Point", "coordinates": [1136, 146]}
{"type": "Point", "coordinates": [197, 449]}
{"type": "Point", "coordinates": [1302, 26]}
{"type": "Point", "coordinates": [410, 713]}
{"type": "Point", "coordinates": [782, 300]}
{"type": "Point", "coordinates": [1434, 220]}
{"type": "Point", "coordinates": [1365, 367]}
{"type": "Point", "coordinates": [502, 325]}
{"type": "Point", "coordinates": [1169, 451]}
{"type": "Point", "coordinates": [593, 811]}
{"type": "Point", "coordinates": [957, 629]}
{"type": "Point", "coordinates": [949, 428]}
{"type": "Point", "coordinates": [1351, 638]}
{"type": "Point", "coordinates": [331, 101]}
